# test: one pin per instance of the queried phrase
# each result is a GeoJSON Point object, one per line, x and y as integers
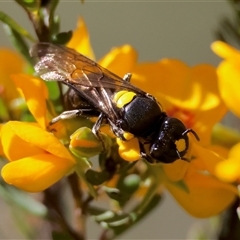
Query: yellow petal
{"type": "Point", "coordinates": [129, 150]}
{"type": "Point", "coordinates": [228, 74]}
{"type": "Point", "coordinates": [235, 151]}
{"type": "Point", "coordinates": [160, 74]}
{"type": "Point", "coordinates": [36, 173]}
{"type": "Point", "coordinates": [206, 195]}
{"type": "Point", "coordinates": [1, 146]}
{"type": "Point", "coordinates": [12, 63]}
{"type": "Point", "coordinates": [36, 136]}
{"type": "Point", "coordinates": [120, 60]}
{"type": "Point", "coordinates": [226, 51]}
{"type": "Point", "coordinates": [206, 159]}
{"type": "Point", "coordinates": [205, 85]}
{"type": "Point", "coordinates": [229, 85]}
{"type": "Point", "coordinates": [229, 170]}
{"type": "Point", "coordinates": [204, 121]}
{"type": "Point", "coordinates": [176, 171]}
{"type": "Point", "coordinates": [80, 40]}
{"type": "Point", "coordinates": [194, 87]}
{"type": "Point", "coordinates": [35, 93]}
{"type": "Point", "coordinates": [14, 147]}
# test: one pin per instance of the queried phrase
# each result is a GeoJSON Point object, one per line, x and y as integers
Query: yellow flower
{"type": "Point", "coordinates": [37, 158]}
{"type": "Point", "coordinates": [12, 64]}
{"type": "Point", "coordinates": [190, 94]}
{"type": "Point", "coordinates": [35, 94]}
{"type": "Point", "coordinates": [228, 75]}
{"type": "Point", "coordinates": [229, 85]}
{"type": "Point", "coordinates": [80, 40]}
{"type": "Point", "coordinates": [229, 170]}
{"type": "Point", "coordinates": [206, 195]}
{"type": "Point", "coordinates": [187, 93]}
{"type": "Point", "coordinates": [36, 152]}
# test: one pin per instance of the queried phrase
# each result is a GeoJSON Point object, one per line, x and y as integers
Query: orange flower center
{"type": "Point", "coordinates": [186, 116]}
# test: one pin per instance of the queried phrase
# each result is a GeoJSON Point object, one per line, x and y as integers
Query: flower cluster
{"type": "Point", "coordinates": [228, 82]}
{"type": "Point", "coordinates": [39, 155]}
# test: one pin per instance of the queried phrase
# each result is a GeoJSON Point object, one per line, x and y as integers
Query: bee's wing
{"type": "Point", "coordinates": [59, 63]}
{"type": "Point", "coordinates": [94, 83]}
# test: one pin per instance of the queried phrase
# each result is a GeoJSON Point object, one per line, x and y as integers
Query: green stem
{"type": "Point", "coordinates": [225, 136]}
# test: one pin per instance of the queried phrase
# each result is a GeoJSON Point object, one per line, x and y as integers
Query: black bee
{"type": "Point", "coordinates": [129, 111]}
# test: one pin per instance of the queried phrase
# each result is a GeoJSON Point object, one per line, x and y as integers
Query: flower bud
{"type": "Point", "coordinates": [85, 144]}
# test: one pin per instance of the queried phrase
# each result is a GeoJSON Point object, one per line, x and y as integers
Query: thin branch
{"type": "Point", "coordinates": [52, 199]}
{"type": "Point", "coordinates": [79, 211]}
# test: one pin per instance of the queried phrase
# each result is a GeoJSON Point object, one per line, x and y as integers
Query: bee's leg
{"type": "Point", "coordinates": [71, 114]}
{"type": "Point", "coordinates": [117, 130]}
{"type": "Point", "coordinates": [127, 77]}
{"type": "Point", "coordinates": [144, 155]}
{"type": "Point", "coordinates": [66, 115]}
{"type": "Point", "coordinates": [96, 127]}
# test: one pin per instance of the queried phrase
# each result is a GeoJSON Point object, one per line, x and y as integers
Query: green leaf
{"type": "Point", "coordinates": [15, 26]}
{"type": "Point", "coordinates": [18, 42]}
{"type": "Point", "coordinates": [116, 194]}
{"type": "Point", "coordinates": [96, 178]}
{"type": "Point", "coordinates": [127, 185]}
{"type": "Point", "coordinates": [105, 216]}
{"type": "Point", "coordinates": [119, 223]}
{"type": "Point", "coordinates": [62, 38]}
{"type": "Point", "coordinates": [110, 219]}
{"type": "Point", "coordinates": [118, 227]}
{"type": "Point", "coordinates": [130, 183]}
{"type": "Point", "coordinates": [82, 166]}
{"type": "Point", "coordinates": [153, 178]}
{"type": "Point", "coordinates": [95, 211]}
{"type": "Point", "coordinates": [54, 25]}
